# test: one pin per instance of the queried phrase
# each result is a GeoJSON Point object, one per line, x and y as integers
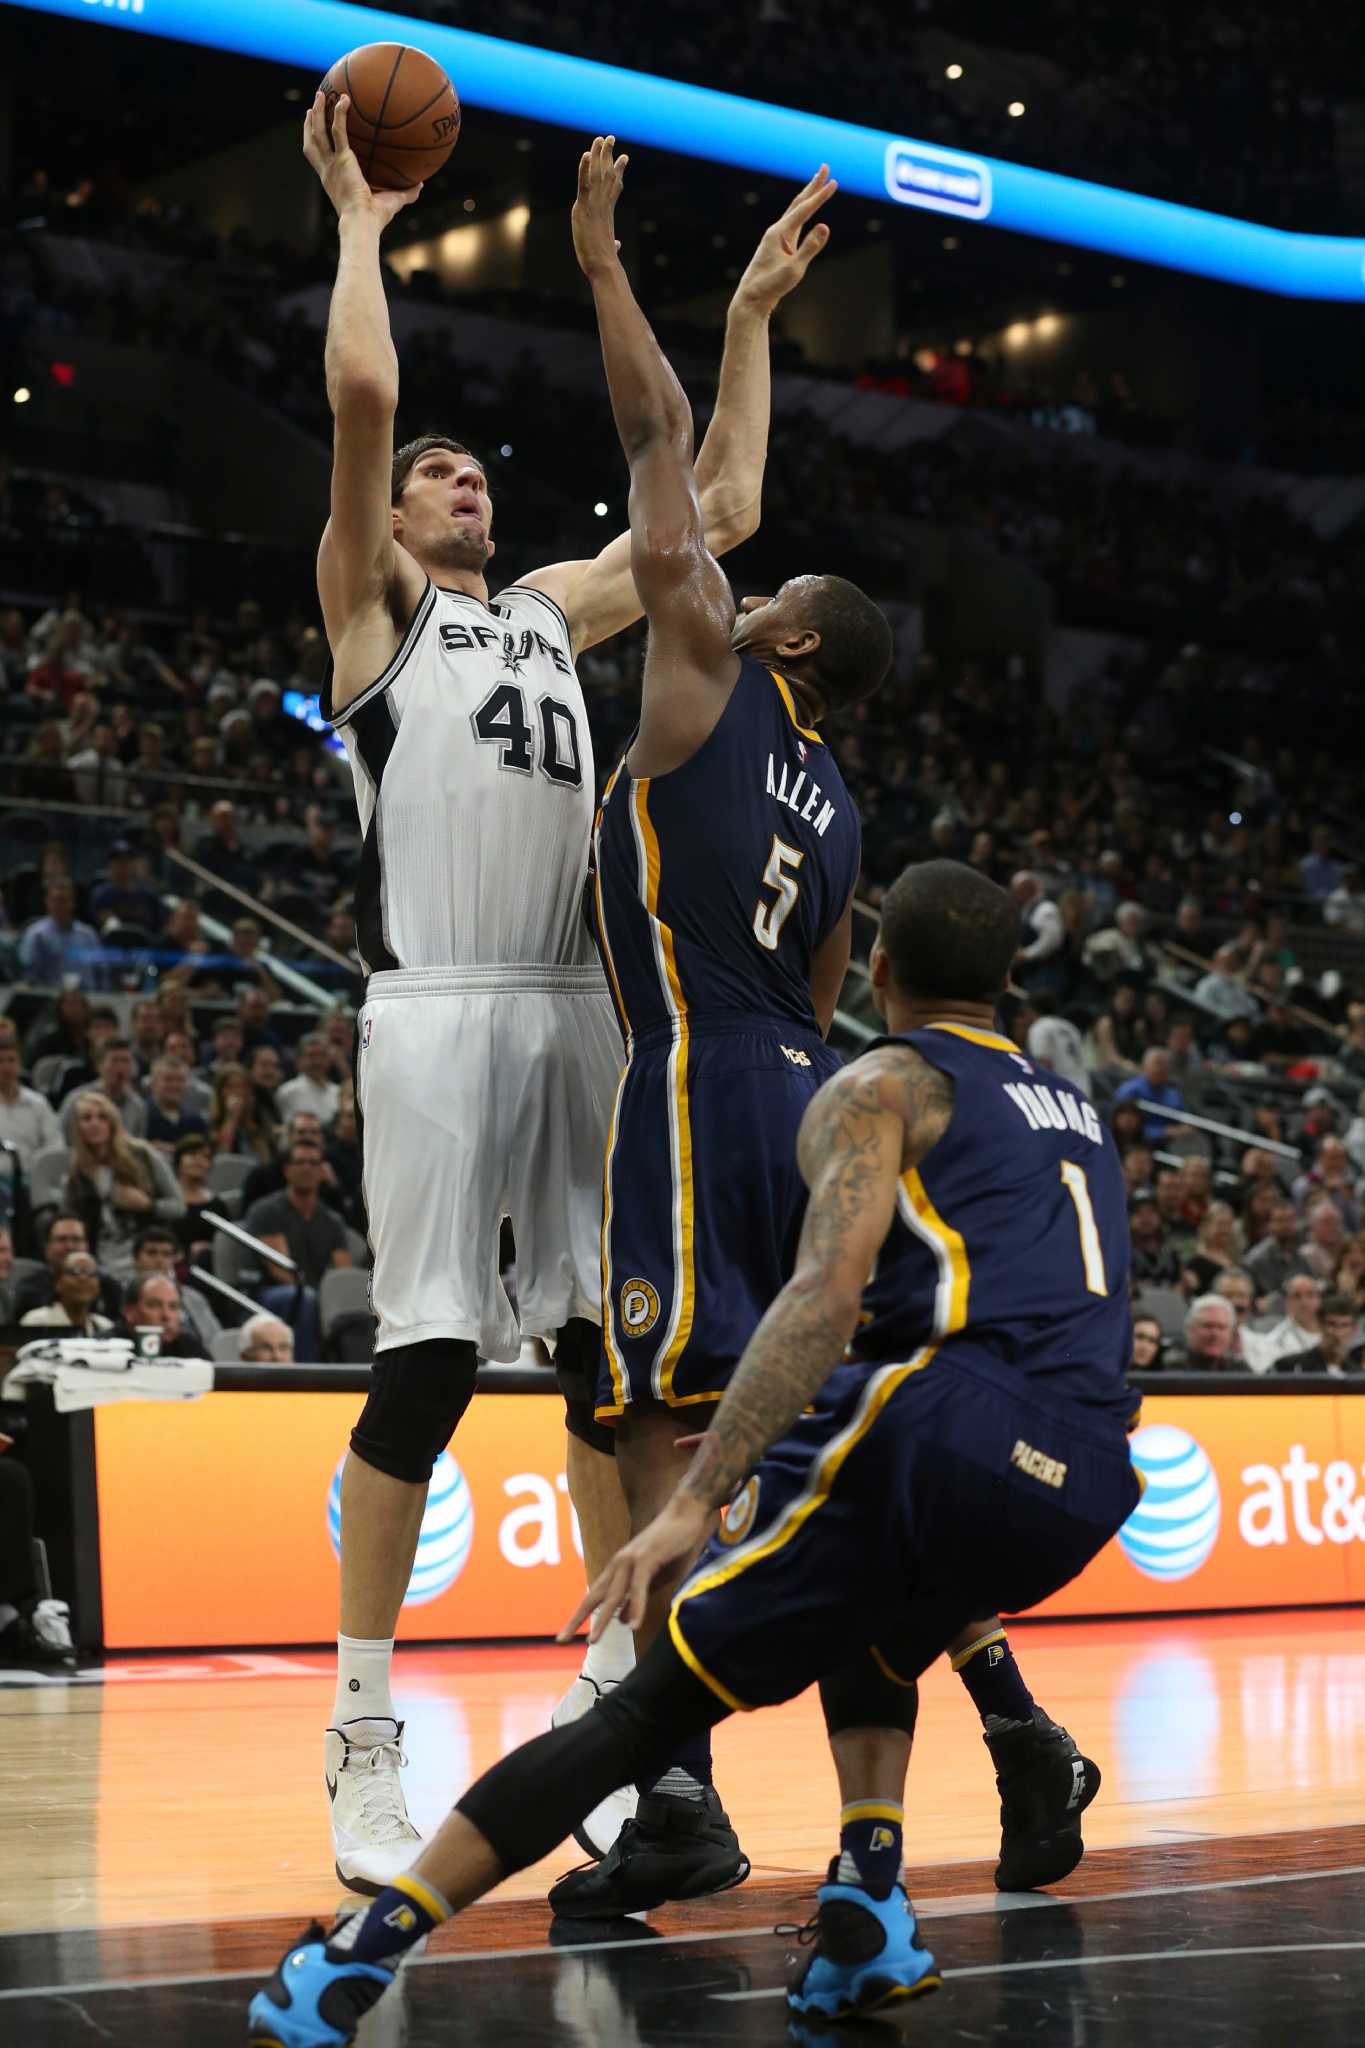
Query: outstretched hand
{"type": "Point", "coordinates": [600, 176]}
{"type": "Point", "coordinates": [329, 151]}
{"type": "Point", "coordinates": [659, 1555]}
{"type": "Point", "coordinates": [786, 252]}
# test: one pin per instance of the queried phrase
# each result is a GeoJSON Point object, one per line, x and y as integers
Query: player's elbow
{"type": "Point", "coordinates": [361, 391]}
{"type": "Point", "coordinates": [728, 525]}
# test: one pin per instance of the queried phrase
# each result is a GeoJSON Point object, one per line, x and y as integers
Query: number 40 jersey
{"type": "Point", "coordinates": [474, 781]}
{"type": "Point", "coordinates": [717, 882]}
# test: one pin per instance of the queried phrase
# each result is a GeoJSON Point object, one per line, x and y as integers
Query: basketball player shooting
{"type": "Point", "coordinates": [488, 1047]}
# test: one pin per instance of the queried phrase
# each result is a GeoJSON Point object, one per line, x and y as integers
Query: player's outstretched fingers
{"type": "Point", "coordinates": [340, 140]}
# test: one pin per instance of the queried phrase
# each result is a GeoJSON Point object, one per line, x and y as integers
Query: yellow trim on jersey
{"type": "Point", "coordinates": [997, 1635]}
{"type": "Point", "coordinates": [680, 1131]}
{"type": "Point", "coordinates": [797, 1513]}
{"type": "Point", "coordinates": [990, 1039]}
{"type": "Point", "coordinates": [614, 1364]}
{"type": "Point", "coordinates": [699, 1670]}
{"type": "Point", "coordinates": [955, 1272]}
{"type": "Point", "coordinates": [784, 692]}
{"type": "Point", "coordinates": [616, 995]}
{"type": "Point", "coordinates": [872, 1809]}
{"type": "Point", "coordinates": [408, 1882]}
{"type": "Point", "coordinates": [885, 1668]}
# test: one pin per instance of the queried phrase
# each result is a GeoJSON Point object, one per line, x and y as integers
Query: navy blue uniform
{"type": "Point", "coordinates": [716, 884]}
{"type": "Point", "coordinates": [971, 1455]}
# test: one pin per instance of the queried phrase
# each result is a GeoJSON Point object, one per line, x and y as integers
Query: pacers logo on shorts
{"type": "Point", "coordinates": [738, 1518]}
{"type": "Point", "coordinates": [639, 1307]}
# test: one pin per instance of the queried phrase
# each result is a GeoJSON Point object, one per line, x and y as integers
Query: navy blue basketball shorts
{"type": "Point", "coordinates": [703, 1203]}
{"type": "Point", "coordinates": [911, 1499]}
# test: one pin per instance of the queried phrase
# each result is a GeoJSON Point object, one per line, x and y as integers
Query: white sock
{"type": "Point", "coordinates": [363, 1670]}
{"type": "Point", "coordinates": [612, 1657]}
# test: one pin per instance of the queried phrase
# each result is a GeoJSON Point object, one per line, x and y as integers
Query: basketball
{"type": "Point", "coordinates": [404, 116]}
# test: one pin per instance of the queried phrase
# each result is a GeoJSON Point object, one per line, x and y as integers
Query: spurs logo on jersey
{"type": "Point", "coordinates": [473, 775]}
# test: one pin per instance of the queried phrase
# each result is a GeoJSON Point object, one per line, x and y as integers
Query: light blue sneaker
{"type": "Point", "coordinates": [867, 1954]}
{"type": "Point", "coordinates": [314, 2000]}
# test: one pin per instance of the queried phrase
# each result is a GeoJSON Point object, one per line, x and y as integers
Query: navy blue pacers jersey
{"type": "Point", "coordinates": [1010, 1240]}
{"type": "Point", "coordinates": [717, 882]}
{"type": "Point", "coordinates": [715, 886]}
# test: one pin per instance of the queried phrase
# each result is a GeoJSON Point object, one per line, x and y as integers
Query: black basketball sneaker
{"type": "Point", "coordinates": [674, 1848]}
{"type": "Point", "coordinates": [1045, 1786]}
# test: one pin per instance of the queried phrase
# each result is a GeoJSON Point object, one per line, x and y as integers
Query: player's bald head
{"type": "Point", "coordinates": [949, 934]}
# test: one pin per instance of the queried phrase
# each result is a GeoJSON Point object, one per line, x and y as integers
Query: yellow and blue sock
{"type": "Point", "coordinates": [871, 1845]}
{"type": "Point", "coordinates": [393, 1923]}
{"type": "Point", "coordinates": [990, 1674]}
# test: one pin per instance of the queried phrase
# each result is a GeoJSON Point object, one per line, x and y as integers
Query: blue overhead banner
{"type": "Point", "coordinates": [543, 85]}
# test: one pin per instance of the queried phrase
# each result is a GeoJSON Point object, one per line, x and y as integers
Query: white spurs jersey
{"type": "Point", "coordinates": [474, 781]}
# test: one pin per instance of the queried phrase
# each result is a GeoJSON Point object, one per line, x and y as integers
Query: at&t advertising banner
{"type": "Point", "coordinates": [218, 1519]}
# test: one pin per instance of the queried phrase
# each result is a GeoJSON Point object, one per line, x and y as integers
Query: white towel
{"type": "Point", "coordinates": [93, 1372]}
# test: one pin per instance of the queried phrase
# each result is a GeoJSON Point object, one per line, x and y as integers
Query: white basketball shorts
{"type": "Point", "coordinates": [484, 1093]}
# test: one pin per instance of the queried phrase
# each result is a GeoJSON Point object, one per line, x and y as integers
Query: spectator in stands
{"type": "Point", "coordinates": [193, 1159]}
{"type": "Point", "coordinates": [116, 1185]}
{"type": "Point", "coordinates": [1351, 1051]}
{"type": "Point", "coordinates": [1041, 961]}
{"type": "Point", "coordinates": [1118, 948]}
{"type": "Point", "coordinates": [1348, 1276]}
{"type": "Point", "coordinates": [1324, 1235]}
{"type": "Point", "coordinates": [1114, 1044]}
{"type": "Point", "coordinates": [117, 1072]}
{"type": "Point", "coordinates": [1279, 1040]}
{"type": "Point", "coordinates": [1218, 1249]}
{"type": "Point", "coordinates": [235, 1120]}
{"type": "Point", "coordinates": [314, 1237]}
{"type": "Point", "coordinates": [148, 1034]}
{"type": "Point", "coordinates": [168, 1119]}
{"type": "Point", "coordinates": [65, 1234]}
{"type": "Point", "coordinates": [1339, 1350]}
{"type": "Point", "coordinates": [303, 1128]}
{"type": "Point", "coordinates": [1234, 1283]}
{"type": "Point", "coordinates": [58, 948]}
{"type": "Point", "coordinates": [1154, 1261]}
{"type": "Point", "coordinates": [120, 898]}
{"type": "Point", "coordinates": [1277, 1258]}
{"type": "Point", "coordinates": [152, 1302]}
{"type": "Point", "coordinates": [64, 1032]}
{"type": "Point", "coordinates": [1355, 1135]}
{"type": "Point", "coordinates": [1210, 1338]}
{"type": "Point", "coordinates": [97, 774]}
{"type": "Point", "coordinates": [265, 1069]}
{"type": "Point", "coordinates": [1223, 991]}
{"type": "Point", "coordinates": [1330, 1175]}
{"type": "Point", "coordinates": [311, 1087]}
{"type": "Point", "coordinates": [76, 1290]}
{"type": "Point", "coordinates": [1298, 1329]}
{"type": "Point", "coordinates": [318, 866]}
{"type": "Point", "coordinates": [35, 1631]}
{"type": "Point", "coordinates": [1258, 1203]}
{"type": "Point", "coordinates": [180, 1046]}
{"type": "Point", "coordinates": [157, 1250]}
{"type": "Point", "coordinates": [253, 1018]}
{"type": "Point", "coordinates": [27, 1119]}
{"type": "Point", "coordinates": [1184, 1055]}
{"type": "Point", "coordinates": [6, 1276]}
{"type": "Point", "coordinates": [1153, 1083]}
{"type": "Point", "coordinates": [1148, 1345]}
{"type": "Point", "coordinates": [222, 852]}
{"type": "Point", "coordinates": [182, 938]}
{"type": "Point", "coordinates": [1139, 1165]}
{"type": "Point", "coordinates": [1125, 1124]}
{"type": "Point", "coordinates": [267, 1341]}
{"type": "Point", "coordinates": [1319, 872]}
{"type": "Point", "coordinates": [1169, 1188]}
{"type": "Point", "coordinates": [345, 1164]}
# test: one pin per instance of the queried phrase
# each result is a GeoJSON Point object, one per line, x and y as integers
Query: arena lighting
{"type": "Point", "coordinates": [600, 509]}
{"type": "Point", "coordinates": [22, 395]}
{"type": "Point", "coordinates": [570, 92]}
{"type": "Point", "coordinates": [1046, 325]}
{"type": "Point", "coordinates": [953, 71]}
{"type": "Point", "coordinates": [1015, 109]}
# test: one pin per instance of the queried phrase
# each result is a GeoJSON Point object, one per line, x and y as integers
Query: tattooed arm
{"type": "Point", "coordinates": [861, 1132]}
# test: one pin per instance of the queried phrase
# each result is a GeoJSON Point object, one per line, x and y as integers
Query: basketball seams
{"type": "Point", "coordinates": [444, 87]}
{"type": "Point", "coordinates": [383, 104]}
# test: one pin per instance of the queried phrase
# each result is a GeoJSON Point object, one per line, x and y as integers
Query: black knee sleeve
{"type": "Point", "coordinates": [526, 1805]}
{"type": "Point", "coordinates": [578, 1355]}
{"type": "Point", "coordinates": [418, 1392]}
{"type": "Point", "coordinates": [865, 1692]}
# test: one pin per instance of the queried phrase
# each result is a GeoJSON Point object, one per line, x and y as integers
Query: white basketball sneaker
{"type": "Point", "coordinates": [372, 1838]}
{"type": "Point", "coordinates": [597, 1833]}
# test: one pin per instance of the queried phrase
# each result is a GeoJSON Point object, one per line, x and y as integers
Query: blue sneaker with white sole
{"type": "Point", "coordinates": [315, 1999]}
{"type": "Point", "coordinates": [867, 1954]}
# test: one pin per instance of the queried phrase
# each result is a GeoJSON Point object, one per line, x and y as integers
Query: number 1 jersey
{"type": "Point", "coordinates": [474, 781]}
{"type": "Point", "coordinates": [717, 882]}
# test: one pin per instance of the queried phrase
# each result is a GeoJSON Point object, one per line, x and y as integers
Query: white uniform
{"type": "Point", "coordinates": [489, 1049]}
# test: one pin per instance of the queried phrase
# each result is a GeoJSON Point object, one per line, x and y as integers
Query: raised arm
{"type": "Point", "coordinates": [863, 1130]}
{"type": "Point", "coordinates": [367, 585]}
{"type": "Point", "coordinates": [598, 596]}
{"type": "Point", "coordinates": [685, 594]}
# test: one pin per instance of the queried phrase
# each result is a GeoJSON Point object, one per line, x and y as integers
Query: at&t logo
{"type": "Point", "coordinates": [447, 1534]}
{"type": "Point", "coordinates": [1172, 1530]}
